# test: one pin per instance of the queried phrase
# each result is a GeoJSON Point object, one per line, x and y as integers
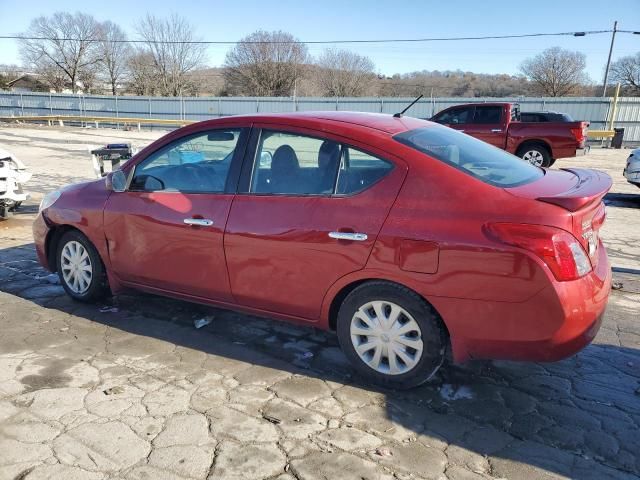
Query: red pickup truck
{"type": "Point", "coordinates": [499, 124]}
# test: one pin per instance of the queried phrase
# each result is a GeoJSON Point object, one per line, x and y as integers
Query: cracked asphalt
{"type": "Point", "coordinates": [130, 389]}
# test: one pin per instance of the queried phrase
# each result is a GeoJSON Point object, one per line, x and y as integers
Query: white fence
{"type": "Point", "coordinates": [596, 110]}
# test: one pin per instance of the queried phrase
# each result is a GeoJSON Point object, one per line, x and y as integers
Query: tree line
{"type": "Point", "coordinates": [74, 51]}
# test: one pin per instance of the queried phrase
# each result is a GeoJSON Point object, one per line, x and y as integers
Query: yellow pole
{"type": "Point", "coordinates": [615, 106]}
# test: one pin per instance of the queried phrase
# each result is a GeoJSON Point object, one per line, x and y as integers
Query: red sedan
{"type": "Point", "coordinates": [406, 237]}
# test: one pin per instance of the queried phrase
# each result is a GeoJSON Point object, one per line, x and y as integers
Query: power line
{"type": "Point", "coordinates": [328, 42]}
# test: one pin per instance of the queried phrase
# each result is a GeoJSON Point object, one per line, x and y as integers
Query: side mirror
{"type": "Point", "coordinates": [265, 159]}
{"type": "Point", "coordinates": [116, 181]}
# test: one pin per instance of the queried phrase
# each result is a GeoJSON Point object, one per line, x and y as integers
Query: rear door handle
{"type": "Point", "coordinates": [496, 130]}
{"type": "Point", "coordinates": [358, 237]}
{"type": "Point", "coordinates": [198, 222]}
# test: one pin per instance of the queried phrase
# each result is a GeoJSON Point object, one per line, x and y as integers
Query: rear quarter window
{"type": "Point", "coordinates": [359, 170]}
{"type": "Point", "coordinates": [474, 157]}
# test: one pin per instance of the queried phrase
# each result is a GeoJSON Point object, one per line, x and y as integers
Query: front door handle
{"type": "Point", "coordinates": [358, 237]}
{"type": "Point", "coordinates": [496, 130]}
{"type": "Point", "coordinates": [198, 222]}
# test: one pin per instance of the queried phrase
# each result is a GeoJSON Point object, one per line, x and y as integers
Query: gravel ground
{"type": "Point", "coordinates": [131, 390]}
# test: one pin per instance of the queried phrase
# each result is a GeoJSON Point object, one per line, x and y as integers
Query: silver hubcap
{"type": "Point", "coordinates": [534, 157]}
{"type": "Point", "coordinates": [386, 337]}
{"type": "Point", "coordinates": [76, 267]}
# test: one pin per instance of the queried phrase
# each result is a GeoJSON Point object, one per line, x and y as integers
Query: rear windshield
{"type": "Point", "coordinates": [477, 158]}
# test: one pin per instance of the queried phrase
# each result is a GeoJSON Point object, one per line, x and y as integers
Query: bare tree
{"type": "Point", "coordinates": [344, 73]}
{"type": "Point", "coordinates": [114, 54]}
{"type": "Point", "coordinates": [52, 76]}
{"type": "Point", "coordinates": [265, 64]}
{"type": "Point", "coordinates": [64, 40]}
{"type": "Point", "coordinates": [144, 77]}
{"type": "Point", "coordinates": [88, 80]}
{"type": "Point", "coordinates": [170, 43]}
{"type": "Point", "coordinates": [556, 72]}
{"type": "Point", "coordinates": [626, 70]}
{"type": "Point", "coordinates": [205, 81]}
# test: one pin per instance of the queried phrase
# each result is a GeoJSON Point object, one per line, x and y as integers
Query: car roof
{"type": "Point", "coordinates": [483, 104]}
{"type": "Point", "coordinates": [378, 121]}
{"type": "Point", "coordinates": [544, 112]}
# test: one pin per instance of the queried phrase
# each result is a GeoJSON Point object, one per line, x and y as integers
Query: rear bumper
{"type": "Point", "coordinates": [556, 323]}
{"type": "Point", "coordinates": [582, 151]}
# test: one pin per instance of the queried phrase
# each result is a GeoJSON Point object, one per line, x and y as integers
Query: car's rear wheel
{"type": "Point", "coordinates": [391, 335]}
{"type": "Point", "coordinates": [535, 154]}
{"type": "Point", "coordinates": [80, 268]}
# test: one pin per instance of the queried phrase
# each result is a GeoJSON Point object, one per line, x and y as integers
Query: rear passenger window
{"type": "Point", "coordinates": [487, 115]}
{"type": "Point", "coordinates": [292, 164]}
{"type": "Point", "coordinates": [359, 170]}
{"type": "Point", "coordinates": [295, 164]}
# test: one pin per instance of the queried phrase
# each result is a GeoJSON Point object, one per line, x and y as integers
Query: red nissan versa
{"type": "Point", "coordinates": [404, 236]}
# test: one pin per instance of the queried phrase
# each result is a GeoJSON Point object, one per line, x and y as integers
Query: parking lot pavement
{"type": "Point", "coordinates": [131, 390]}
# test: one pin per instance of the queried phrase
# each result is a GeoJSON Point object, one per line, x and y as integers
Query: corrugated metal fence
{"type": "Point", "coordinates": [593, 109]}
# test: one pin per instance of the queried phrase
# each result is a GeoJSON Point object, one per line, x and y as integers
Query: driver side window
{"type": "Point", "coordinates": [197, 163]}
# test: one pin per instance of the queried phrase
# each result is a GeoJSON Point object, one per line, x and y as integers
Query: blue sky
{"type": "Point", "coordinates": [356, 19]}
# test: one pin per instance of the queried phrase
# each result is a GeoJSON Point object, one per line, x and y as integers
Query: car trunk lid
{"type": "Point", "coordinates": [570, 188]}
{"type": "Point", "coordinates": [579, 191]}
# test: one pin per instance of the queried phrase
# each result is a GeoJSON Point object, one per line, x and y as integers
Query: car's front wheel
{"type": "Point", "coordinates": [391, 335]}
{"type": "Point", "coordinates": [80, 268]}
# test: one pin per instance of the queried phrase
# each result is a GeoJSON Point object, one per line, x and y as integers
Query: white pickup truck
{"type": "Point", "coordinates": [13, 175]}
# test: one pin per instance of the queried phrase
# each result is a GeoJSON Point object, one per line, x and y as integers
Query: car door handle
{"type": "Point", "coordinates": [358, 237]}
{"type": "Point", "coordinates": [198, 222]}
{"type": "Point", "coordinates": [496, 130]}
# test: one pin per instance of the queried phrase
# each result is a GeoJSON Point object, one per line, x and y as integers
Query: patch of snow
{"type": "Point", "coordinates": [449, 392]}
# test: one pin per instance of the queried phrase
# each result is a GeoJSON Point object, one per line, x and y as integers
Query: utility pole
{"type": "Point", "coordinates": [606, 71]}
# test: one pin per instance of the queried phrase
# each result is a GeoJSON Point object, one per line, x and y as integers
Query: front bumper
{"type": "Point", "coordinates": [40, 236]}
{"type": "Point", "coordinates": [11, 192]}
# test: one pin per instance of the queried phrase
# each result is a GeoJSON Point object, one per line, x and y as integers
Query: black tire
{"type": "Point", "coordinates": [98, 287]}
{"type": "Point", "coordinates": [432, 333]}
{"type": "Point", "coordinates": [535, 150]}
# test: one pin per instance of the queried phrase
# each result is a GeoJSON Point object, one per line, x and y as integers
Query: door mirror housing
{"type": "Point", "coordinates": [265, 159]}
{"type": "Point", "coordinates": [116, 181]}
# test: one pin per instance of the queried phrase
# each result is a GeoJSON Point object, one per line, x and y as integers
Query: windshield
{"type": "Point", "coordinates": [477, 158]}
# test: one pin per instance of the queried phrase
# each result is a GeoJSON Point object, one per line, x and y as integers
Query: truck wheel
{"type": "Point", "coordinates": [536, 154]}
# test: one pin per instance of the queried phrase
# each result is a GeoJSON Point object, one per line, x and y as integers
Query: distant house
{"type": "Point", "coordinates": [22, 82]}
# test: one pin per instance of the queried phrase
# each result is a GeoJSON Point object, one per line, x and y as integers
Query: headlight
{"type": "Point", "coordinates": [49, 199]}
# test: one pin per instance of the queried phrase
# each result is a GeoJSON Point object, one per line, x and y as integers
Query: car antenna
{"type": "Point", "coordinates": [398, 115]}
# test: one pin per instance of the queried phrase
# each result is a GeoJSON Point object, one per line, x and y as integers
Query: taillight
{"type": "Point", "coordinates": [579, 134]}
{"type": "Point", "coordinates": [560, 250]}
